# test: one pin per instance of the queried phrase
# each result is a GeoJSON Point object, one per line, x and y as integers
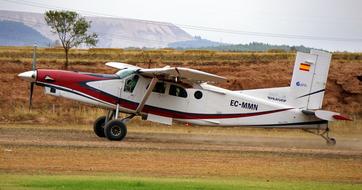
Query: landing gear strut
{"type": "Point", "coordinates": [324, 134]}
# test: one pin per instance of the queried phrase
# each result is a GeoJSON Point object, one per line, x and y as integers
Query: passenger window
{"type": "Point", "coordinates": [131, 84]}
{"type": "Point", "coordinates": [160, 87]}
{"type": "Point", "coordinates": [177, 91]}
{"type": "Point", "coordinates": [198, 94]}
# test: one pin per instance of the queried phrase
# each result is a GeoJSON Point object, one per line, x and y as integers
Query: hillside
{"type": "Point", "coordinates": [17, 34]}
{"type": "Point", "coordinates": [113, 32]}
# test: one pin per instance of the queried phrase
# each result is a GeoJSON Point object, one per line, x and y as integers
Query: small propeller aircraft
{"type": "Point", "coordinates": [170, 94]}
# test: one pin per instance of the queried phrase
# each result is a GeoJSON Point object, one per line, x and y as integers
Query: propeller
{"type": "Point", "coordinates": [32, 83]}
{"type": "Point", "coordinates": [31, 77]}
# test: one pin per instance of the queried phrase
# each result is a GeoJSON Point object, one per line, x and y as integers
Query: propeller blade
{"type": "Point", "coordinates": [33, 64]}
{"type": "Point", "coordinates": [31, 95]}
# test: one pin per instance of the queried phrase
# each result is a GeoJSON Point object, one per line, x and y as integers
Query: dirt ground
{"type": "Point", "coordinates": [26, 149]}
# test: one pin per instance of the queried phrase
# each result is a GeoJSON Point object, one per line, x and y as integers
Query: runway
{"type": "Point", "coordinates": [179, 154]}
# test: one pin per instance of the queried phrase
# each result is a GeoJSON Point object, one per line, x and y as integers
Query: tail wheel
{"type": "Point", "coordinates": [331, 141]}
{"type": "Point", "coordinates": [98, 126]}
{"type": "Point", "coordinates": [115, 130]}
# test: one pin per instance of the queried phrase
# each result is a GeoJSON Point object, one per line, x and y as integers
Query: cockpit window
{"type": "Point", "coordinates": [125, 73]}
{"type": "Point", "coordinates": [177, 91]}
{"type": "Point", "coordinates": [131, 84]}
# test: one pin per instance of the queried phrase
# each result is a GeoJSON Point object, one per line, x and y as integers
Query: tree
{"type": "Point", "coordinates": [72, 30]}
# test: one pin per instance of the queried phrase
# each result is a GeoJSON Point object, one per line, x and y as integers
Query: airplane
{"type": "Point", "coordinates": [176, 94]}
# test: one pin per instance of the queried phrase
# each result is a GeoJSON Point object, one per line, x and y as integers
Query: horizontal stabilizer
{"type": "Point", "coordinates": [327, 115]}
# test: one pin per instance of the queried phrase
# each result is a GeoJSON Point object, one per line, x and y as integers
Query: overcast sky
{"type": "Point", "coordinates": [328, 24]}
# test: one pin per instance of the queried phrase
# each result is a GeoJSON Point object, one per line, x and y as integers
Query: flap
{"type": "Point", "coordinates": [159, 119]}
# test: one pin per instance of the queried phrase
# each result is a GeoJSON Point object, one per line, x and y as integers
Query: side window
{"type": "Point", "coordinates": [131, 84]}
{"type": "Point", "coordinates": [177, 91]}
{"type": "Point", "coordinates": [160, 87]}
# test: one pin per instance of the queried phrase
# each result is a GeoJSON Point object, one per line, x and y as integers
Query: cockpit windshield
{"type": "Point", "coordinates": [125, 73]}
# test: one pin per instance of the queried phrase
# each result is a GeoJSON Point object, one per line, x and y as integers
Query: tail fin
{"type": "Point", "coordinates": [309, 79]}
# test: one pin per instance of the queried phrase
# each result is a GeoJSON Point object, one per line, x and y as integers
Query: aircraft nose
{"type": "Point", "coordinates": [28, 75]}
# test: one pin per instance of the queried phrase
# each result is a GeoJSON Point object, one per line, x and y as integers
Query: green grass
{"type": "Point", "coordinates": [79, 182]}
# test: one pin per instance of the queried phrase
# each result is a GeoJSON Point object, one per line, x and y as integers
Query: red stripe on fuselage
{"type": "Point", "coordinates": [184, 115]}
{"type": "Point", "coordinates": [76, 81]}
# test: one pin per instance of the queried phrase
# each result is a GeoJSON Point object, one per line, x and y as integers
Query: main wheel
{"type": "Point", "coordinates": [115, 130]}
{"type": "Point", "coordinates": [98, 126]}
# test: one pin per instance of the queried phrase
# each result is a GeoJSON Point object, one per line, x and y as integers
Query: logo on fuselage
{"type": "Point", "coordinates": [301, 84]}
{"type": "Point", "coordinates": [245, 105]}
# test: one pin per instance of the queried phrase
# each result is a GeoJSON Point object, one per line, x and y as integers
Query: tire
{"type": "Point", "coordinates": [115, 130]}
{"type": "Point", "coordinates": [331, 142]}
{"type": "Point", "coordinates": [98, 126]}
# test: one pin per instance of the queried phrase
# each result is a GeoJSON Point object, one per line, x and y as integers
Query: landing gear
{"type": "Point", "coordinates": [110, 127]}
{"type": "Point", "coordinates": [324, 134]}
{"type": "Point", "coordinates": [331, 141]}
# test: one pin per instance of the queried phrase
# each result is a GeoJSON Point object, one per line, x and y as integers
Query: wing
{"type": "Point", "coordinates": [172, 73]}
{"type": "Point", "coordinates": [121, 66]}
{"type": "Point", "coordinates": [182, 74]}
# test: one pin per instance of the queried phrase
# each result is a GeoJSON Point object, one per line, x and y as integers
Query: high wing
{"type": "Point", "coordinates": [173, 73]}
{"type": "Point", "coordinates": [181, 73]}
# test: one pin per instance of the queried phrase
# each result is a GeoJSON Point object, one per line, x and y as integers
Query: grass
{"type": "Point", "coordinates": [79, 182]}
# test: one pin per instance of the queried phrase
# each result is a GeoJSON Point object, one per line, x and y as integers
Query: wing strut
{"type": "Point", "coordinates": [146, 95]}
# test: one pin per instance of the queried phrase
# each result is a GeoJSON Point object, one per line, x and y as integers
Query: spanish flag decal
{"type": "Point", "coordinates": [304, 67]}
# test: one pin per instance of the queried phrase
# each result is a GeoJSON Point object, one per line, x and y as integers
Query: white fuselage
{"type": "Point", "coordinates": [216, 107]}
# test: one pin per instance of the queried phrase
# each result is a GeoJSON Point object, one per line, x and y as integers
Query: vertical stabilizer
{"type": "Point", "coordinates": [309, 79]}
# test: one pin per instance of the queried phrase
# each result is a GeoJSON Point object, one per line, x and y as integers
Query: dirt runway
{"type": "Point", "coordinates": [175, 154]}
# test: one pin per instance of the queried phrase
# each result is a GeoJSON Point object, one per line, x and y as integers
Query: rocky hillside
{"type": "Point", "coordinates": [113, 32]}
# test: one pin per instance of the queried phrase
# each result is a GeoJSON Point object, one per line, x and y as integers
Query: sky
{"type": "Point", "coordinates": [334, 25]}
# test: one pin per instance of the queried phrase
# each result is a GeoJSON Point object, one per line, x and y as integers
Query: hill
{"type": "Point", "coordinates": [17, 34]}
{"type": "Point", "coordinates": [256, 46]}
{"type": "Point", "coordinates": [204, 44]}
{"type": "Point", "coordinates": [112, 32]}
{"type": "Point", "coordinates": [195, 43]}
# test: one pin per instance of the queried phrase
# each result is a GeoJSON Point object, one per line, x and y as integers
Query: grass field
{"type": "Point", "coordinates": [110, 182]}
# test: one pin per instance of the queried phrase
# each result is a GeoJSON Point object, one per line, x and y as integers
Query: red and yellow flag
{"type": "Point", "coordinates": [304, 67]}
